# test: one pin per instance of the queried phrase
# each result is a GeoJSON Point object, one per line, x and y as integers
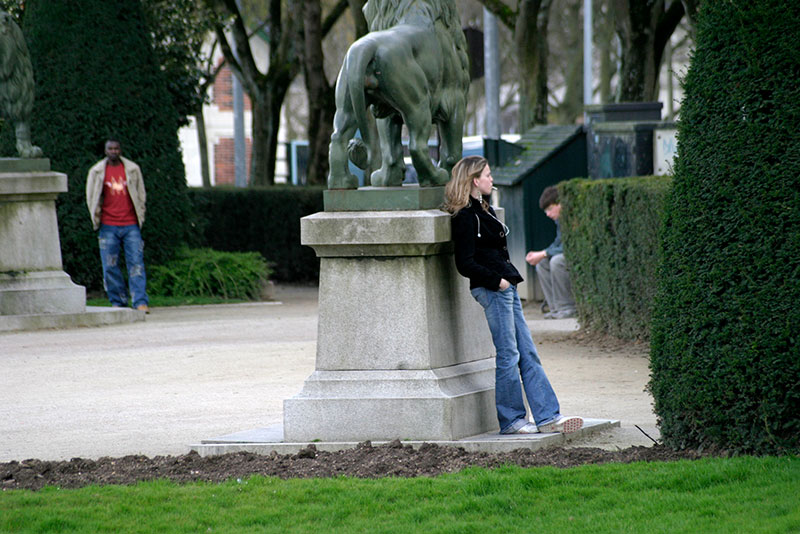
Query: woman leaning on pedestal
{"type": "Point", "coordinates": [481, 254]}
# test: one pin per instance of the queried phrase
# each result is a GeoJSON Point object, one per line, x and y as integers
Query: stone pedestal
{"type": "Point", "coordinates": [403, 350]}
{"type": "Point", "coordinates": [31, 277]}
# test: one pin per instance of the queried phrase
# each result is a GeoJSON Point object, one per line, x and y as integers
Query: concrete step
{"type": "Point", "coordinates": [269, 439]}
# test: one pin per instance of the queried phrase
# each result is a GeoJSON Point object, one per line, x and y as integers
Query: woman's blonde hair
{"type": "Point", "coordinates": [457, 190]}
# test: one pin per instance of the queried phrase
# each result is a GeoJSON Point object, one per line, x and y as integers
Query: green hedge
{"type": "Point", "coordinates": [725, 359]}
{"type": "Point", "coordinates": [96, 76]}
{"type": "Point", "coordinates": [265, 220]}
{"type": "Point", "coordinates": [210, 273]}
{"type": "Point", "coordinates": [610, 230]}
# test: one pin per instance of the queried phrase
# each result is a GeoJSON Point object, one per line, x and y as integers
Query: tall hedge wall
{"type": "Point", "coordinates": [96, 76]}
{"type": "Point", "coordinates": [725, 360]}
{"type": "Point", "coordinates": [265, 220]}
{"type": "Point", "coordinates": [611, 238]}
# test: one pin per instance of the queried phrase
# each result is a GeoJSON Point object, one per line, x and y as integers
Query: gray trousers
{"type": "Point", "coordinates": [554, 279]}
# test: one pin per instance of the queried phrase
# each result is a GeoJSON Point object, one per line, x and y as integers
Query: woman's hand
{"type": "Point", "coordinates": [504, 284]}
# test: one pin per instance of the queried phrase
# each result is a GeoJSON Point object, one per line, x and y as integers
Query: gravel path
{"type": "Point", "coordinates": [185, 374]}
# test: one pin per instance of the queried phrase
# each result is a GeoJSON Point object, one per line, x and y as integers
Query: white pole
{"type": "Point", "coordinates": [239, 151]}
{"type": "Point", "coordinates": [587, 53]}
{"type": "Point", "coordinates": [491, 80]}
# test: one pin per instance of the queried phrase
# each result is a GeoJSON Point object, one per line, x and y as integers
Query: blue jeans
{"type": "Point", "coordinates": [516, 355]}
{"type": "Point", "coordinates": [129, 239]}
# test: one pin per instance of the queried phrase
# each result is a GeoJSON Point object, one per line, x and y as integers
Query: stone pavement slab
{"type": "Point", "coordinates": [267, 440]}
{"type": "Point", "coordinates": [93, 316]}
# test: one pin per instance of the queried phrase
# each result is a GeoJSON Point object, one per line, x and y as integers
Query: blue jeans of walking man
{"type": "Point", "coordinates": [113, 239]}
{"type": "Point", "coordinates": [516, 355]}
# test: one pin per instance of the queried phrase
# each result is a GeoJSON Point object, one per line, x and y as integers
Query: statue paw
{"type": "Point", "coordinates": [27, 150]}
{"type": "Point", "coordinates": [439, 177]}
{"type": "Point", "coordinates": [391, 177]}
{"type": "Point", "coordinates": [342, 181]}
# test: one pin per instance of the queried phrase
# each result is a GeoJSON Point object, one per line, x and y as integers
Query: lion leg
{"type": "Point", "coordinates": [25, 148]}
{"type": "Point", "coordinates": [339, 175]}
{"type": "Point", "coordinates": [452, 130]}
{"type": "Point", "coordinates": [419, 130]}
{"type": "Point", "coordinates": [392, 170]}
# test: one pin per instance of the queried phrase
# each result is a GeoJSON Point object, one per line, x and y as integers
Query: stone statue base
{"type": "Point", "coordinates": [31, 276]}
{"type": "Point", "coordinates": [403, 351]}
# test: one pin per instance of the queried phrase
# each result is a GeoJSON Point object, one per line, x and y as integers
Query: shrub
{"type": "Point", "coordinates": [209, 273]}
{"type": "Point", "coordinates": [725, 360]}
{"type": "Point", "coordinates": [611, 239]}
{"type": "Point", "coordinates": [265, 220]}
{"type": "Point", "coordinates": [96, 76]}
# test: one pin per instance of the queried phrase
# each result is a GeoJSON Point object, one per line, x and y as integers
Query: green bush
{"type": "Point", "coordinates": [209, 273]}
{"type": "Point", "coordinates": [96, 76]}
{"type": "Point", "coordinates": [725, 360]}
{"type": "Point", "coordinates": [610, 231]}
{"type": "Point", "coordinates": [265, 220]}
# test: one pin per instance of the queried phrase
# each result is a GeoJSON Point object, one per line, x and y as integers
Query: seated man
{"type": "Point", "coordinates": [551, 267]}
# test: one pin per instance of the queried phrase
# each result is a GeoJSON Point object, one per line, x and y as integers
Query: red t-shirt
{"type": "Point", "coordinates": [117, 205]}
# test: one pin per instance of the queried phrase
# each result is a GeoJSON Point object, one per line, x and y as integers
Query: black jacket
{"type": "Point", "coordinates": [481, 250]}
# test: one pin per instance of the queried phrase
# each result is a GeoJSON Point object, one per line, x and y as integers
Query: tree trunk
{"type": "Point", "coordinates": [202, 143]}
{"type": "Point", "coordinates": [643, 29]}
{"type": "Point", "coordinates": [530, 49]}
{"type": "Point", "coordinates": [542, 20]}
{"type": "Point", "coordinates": [320, 130]}
{"type": "Point", "coordinates": [266, 124]}
{"type": "Point", "coordinates": [359, 22]}
{"type": "Point", "coordinates": [606, 46]}
{"type": "Point", "coordinates": [571, 107]}
{"type": "Point", "coordinates": [321, 102]}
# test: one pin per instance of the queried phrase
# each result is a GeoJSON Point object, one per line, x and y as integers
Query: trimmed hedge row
{"type": "Point", "coordinates": [265, 220]}
{"type": "Point", "coordinates": [610, 231]}
{"type": "Point", "coordinates": [724, 349]}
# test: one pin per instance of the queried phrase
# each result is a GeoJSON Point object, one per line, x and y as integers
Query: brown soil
{"type": "Point", "coordinates": [364, 461]}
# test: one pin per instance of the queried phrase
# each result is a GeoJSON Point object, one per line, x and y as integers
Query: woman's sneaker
{"type": "Point", "coordinates": [529, 428]}
{"type": "Point", "coordinates": [565, 425]}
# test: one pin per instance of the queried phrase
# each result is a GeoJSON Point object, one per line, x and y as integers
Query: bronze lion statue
{"type": "Point", "coordinates": [413, 68]}
{"type": "Point", "coordinates": [16, 84]}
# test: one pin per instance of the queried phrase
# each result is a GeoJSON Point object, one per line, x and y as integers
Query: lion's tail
{"type": "Point", "coordinates": [358, 59]}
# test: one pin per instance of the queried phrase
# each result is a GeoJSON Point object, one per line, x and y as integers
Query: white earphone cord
{"type": "Point", "coordinates": [506, 229]}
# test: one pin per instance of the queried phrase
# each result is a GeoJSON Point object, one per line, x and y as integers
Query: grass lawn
{"type": "Point", "coordinates": [712, 495]}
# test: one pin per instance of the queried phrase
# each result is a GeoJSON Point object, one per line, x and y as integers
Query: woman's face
{"type": "Point", "coordinates": [483, 183]}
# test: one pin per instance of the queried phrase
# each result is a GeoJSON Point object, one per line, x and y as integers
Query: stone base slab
{"type": "Point", "coordinates": [406, 197]}
{"type": "Point", "coordinates": [40, 293]}
{"type": "Point", "coordinates": [93, 316]}
{"type": "Point", "coordinates": [10, 165]}
{"type": "Point", "coordinates": [268, 440]}
{"type": "Point", "coordinates": [427, 404]}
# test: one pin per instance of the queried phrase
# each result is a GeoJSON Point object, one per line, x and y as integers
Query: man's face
{"type": "Point", "coordinates": [553, 211]}
{"type": "Point", "coordinates": [113, 151]}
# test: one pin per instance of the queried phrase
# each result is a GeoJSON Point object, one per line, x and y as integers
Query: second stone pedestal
{"type": "Point", "coordinates": [403, 351]}
{"type": "Point", "coordinates": [31, 277]}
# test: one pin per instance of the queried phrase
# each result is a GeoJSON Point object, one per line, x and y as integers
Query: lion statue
{"type": "Point", "coordinates": [16, 84]}
{"type": "Point", "coordinates": [413, 68]}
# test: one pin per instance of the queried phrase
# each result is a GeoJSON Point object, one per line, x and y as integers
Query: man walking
{"type": "Point", "coordinates": [551, 266]}
{"type": "Point", "coordinates": [116, 196]}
